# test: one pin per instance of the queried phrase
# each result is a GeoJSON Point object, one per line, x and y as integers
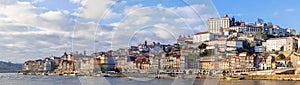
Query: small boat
{"type": "Point", "coordinates": [232, 78]}
{"type": "Point", "coordinates": [20, 73]}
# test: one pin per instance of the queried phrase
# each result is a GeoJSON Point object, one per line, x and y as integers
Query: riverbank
{"type": "Point", "coordinates": [182, 76]}
{"type": "Point", "coordinates": [273, 77]}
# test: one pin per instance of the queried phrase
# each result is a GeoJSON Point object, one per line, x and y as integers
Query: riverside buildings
{"type": "Point", "coordinates": [228, 45]}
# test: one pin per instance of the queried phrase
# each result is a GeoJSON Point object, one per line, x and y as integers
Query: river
{"type": "Point", "coordinates": [15, 79]}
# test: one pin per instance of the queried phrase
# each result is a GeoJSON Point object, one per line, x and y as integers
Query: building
{"type": "Point", "coordinates": [259, 49]}
{"type": "Point", "coordinates": [224, 45]}
{"type": "Point", "coordinates": [235, 43]}
{"type": "Point", "coordinates": [85, 65]}
{"type": "Point", "coordinates": [203, 36]}
{"type": "Point", "coordinates": [269, 62]}
{"type": "Point", "coordinates": [28, 66]}
{"type": "Point", "coordinates": [296, 59]}
{"type": "Point", "coordinates": [292, 44]}
{"type": "Point", "coordinates": [242, 62]}
{"type": "Point", "coordinates": [298, 43]}
{"type": "Point", "coordinates": [47, 64]}
{"type": "Point", "coordinates": [154, 63]}
{"type": "Point", "coordinates": [217, 25]}
{"type": "Point", "coordinates": [184, 40]}
{"type": "Point", "coordinates": [247, 29]}
{"type": "Point", "coordinates": [281, 44]}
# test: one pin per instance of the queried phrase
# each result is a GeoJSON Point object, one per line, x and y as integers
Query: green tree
{"type": "Point", "coordinates": [202, 46]}
{"type": "Point", "coordinates": [281, 48]}
{"type": "Point", "coordinates": [281, 56]}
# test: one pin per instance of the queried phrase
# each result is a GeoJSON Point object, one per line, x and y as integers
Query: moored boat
{"type": "Point", "coordinates": [232, 78]}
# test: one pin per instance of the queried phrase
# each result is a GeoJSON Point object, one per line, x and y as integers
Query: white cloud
{"type": "Point", "coordinates": [37, 1]}
{"type": "Point", "coordinates": [96, 9]}
{"type": "Point", "coordinates": [52, 15]}
{"type": "Point", "coordinates": [289, 10]}
{"type": "Point", "coordinates": [142, 20]}
{"type": "Point", "coordinates": [75, 1]}
{"type": "Point", "coordinates": [7, 2]}
{"type": "Point", "coordinates": [26, 29]}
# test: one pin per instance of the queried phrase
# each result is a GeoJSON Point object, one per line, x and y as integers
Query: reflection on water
{"type": "Point", "coordinates": [14, 79]}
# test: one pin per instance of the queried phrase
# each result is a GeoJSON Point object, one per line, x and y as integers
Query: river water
{"type": "Point", "coordinates": [15, 79]}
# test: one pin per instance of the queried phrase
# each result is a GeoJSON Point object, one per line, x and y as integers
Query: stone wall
{"type": "Point", "coordinates": [273, 77]}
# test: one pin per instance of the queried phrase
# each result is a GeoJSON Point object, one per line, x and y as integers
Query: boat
{"type": "Point", "coordinates": [232, 78]}
{"type": "Point", "coordinates": [20, 73]}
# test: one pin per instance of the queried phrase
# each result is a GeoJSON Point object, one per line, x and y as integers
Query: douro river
{"type": "Point", "coordinates": [15, 79]}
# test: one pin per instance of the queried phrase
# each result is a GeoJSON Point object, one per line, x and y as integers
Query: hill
{"type": "Point", "coordinates": [8, 67]}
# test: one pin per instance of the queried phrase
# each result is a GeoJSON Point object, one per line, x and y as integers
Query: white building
{"type": "Point", "coordinates": [182, 62]}
{"type": "Point", "coordinates": [235, 43]}
{"type": "Point", "coordinates": [247, 29]}
{"type": "Point", "coordinates": [223, 44]}
{"type": "Point", "coordinates": [154, 63]}
{"type": "Point", "coordinates": [85, 65]}
{"type": "Point", "coordinates": [203, 36]}
{"type": "Point", "coordinates": [275, 44]}
{"type": "Point", "coordinates": [47, 65]}
{"type": "Point", "coordinates": [269, 62]}
{"type": "Point", "coordinates": [216, 25]}
{"type": "Point", "coordinates": [162, 63]}
{"type": "Point", "coordinates": [259, 49]}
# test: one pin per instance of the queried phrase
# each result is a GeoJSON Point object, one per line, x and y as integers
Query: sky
{"type": "Point", "coordinates": [35, 29]}
{"type": "Point", "coordinates": [284, 13]}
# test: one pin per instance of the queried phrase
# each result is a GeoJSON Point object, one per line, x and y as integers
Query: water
{"type": "Point", "coordinates": [14, 79]}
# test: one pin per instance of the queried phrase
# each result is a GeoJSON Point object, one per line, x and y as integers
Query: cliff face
{"type": "Point", "coordinates": [7, 67]}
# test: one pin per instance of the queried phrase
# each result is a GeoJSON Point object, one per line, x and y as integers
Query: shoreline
{"type": "Point", "coordinates": [164, 76]}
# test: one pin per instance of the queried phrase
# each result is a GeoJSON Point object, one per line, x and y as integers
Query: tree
{"type": "Point", "coordinates": [117, 70]}
{"type": "Point", "coordinates": [202, 46]}
{"type": "Point", "coordinates": [281, 48]}
{"type": "Point", "coordinates": [281, 56]}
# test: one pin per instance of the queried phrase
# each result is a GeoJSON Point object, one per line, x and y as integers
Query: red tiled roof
{"type": "Point", "coordinates": [277, 38]}
{"type": "Point", "coordinates": [243, 53]}
{"type": "Point", "coordinates": [202, 33]}
{"type": "Point", "coordinates": [184, 38]}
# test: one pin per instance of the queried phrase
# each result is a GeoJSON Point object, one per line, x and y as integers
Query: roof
{"type": "Point", "coordinates": [184, 38]}
{"type": "Point", "coordinates": [277, 38]}
{"type": "Point", "coordinates": [199, 33]}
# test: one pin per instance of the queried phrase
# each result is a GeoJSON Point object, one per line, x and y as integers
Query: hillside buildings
{"type": "Point", "coordinates": [229, 45]}
{"type": "Point", "coordinates": [203, 36]}
{"type": "Point", "coordinates": [217, 25]}
{"type": "Point", "coordinates": [281, 44]}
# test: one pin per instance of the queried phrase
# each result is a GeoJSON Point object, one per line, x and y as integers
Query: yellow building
{"type": "Point", "coordinates": [224, 65]}
{"type": "Point", "coordinates": [206, 64]}
{"type": "Point", "coordinates": [92, 62]}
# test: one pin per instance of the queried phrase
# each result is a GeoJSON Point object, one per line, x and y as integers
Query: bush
{"type": "Point", "coordinates": [281, 56]}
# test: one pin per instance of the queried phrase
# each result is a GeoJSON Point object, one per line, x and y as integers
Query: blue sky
{"type": "Point", "coordinates": [35, 29]}
{"type": "Point", "coordinates": [284, 13]}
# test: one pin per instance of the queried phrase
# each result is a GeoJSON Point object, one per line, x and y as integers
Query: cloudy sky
{"type": "Point", "coordinates": [35, 29]}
